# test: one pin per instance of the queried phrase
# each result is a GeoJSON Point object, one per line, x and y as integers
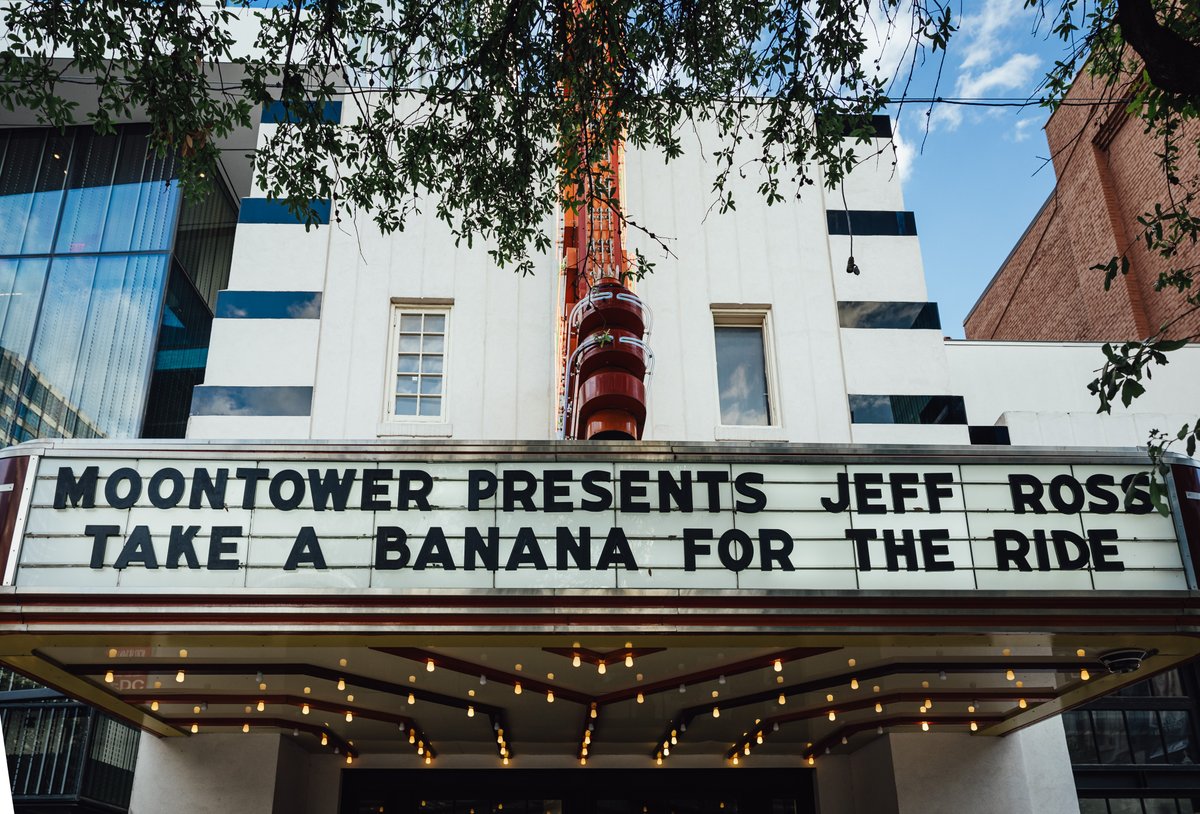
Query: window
{"type": "Point", "coordinates": [871, 409]}
{"type": "Point", "coordinates": [419, 368]}
{"type": "Point", "coordinates": [908, 315]}
{"type": "Point", "coordinates": [871, 222]}
{"type": "Point", "coordinates": [744, 379]}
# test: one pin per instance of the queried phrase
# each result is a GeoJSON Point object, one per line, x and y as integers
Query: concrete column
{"type": "Point", "coordinates": [1028, 772]}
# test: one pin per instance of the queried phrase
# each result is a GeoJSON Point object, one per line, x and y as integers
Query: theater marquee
{"type": "Point", "coordinates": [393, 518]}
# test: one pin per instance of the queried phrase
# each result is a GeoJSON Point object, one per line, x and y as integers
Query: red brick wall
{"type": "Point", "coordinates": [1108, 175]}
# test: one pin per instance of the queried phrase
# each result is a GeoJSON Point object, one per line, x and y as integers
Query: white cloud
{"type": "Point", "coordinates": [1025, 128]}
{"type": "Point", "coordinates": [906, 154]}
{"type": "Point", "coordinates": [982, 31]}
{"type": "Point", "coordinates": [1014, 72]}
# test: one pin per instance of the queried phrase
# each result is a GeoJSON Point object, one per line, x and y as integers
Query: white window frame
{"type": "Point", "coordinates": [748, 316]}
{"type": "Point", "coordinates": [394, 424]}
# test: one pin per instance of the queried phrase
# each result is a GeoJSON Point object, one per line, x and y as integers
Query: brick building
{"type": "Point", "coordinates": [1108, 175]}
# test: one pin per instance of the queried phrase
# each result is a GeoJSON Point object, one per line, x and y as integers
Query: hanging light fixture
{"type": "Point", "coordinates": [180, 676]}
{"type": "Point", "coordinates": [576, 661]}
{"type": "Point", "coordinates": [304, 709]}
{"type": "Point", "coordinates": [782, 699]}
{"type": "Point", "coordinates": [341, 684]}
{"type": "Point", "coordinates": [641, 699]}
{"type": "Point", "coordinates": [628, 659]}
{"type": "Point", "coordinates": [109, 677]}
{"type": "Point", "coordinates": [262, 705]}
{"type": "Point", "coordinates": [517, 688]}
{"type": "Point", "coordinates": [832, 715]}
{"type": "Point", "coordinates": [549, 696]}
{"type": "Point", "coordinates": [245, 727]}
{"type": "Point", "coordinates": [349, 716]}
{"type": "Point", "coordinates": [779, 665]}
{"type": "Point", "coordinates": [195, 728]}
{"type": "Point", "coordinates": [429, 666]}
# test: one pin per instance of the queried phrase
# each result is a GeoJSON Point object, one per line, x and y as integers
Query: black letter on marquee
{"type": "Point", "coordinates": [745, 549]}
{"type": "Point", "coordinates": [390, 540]}
{"type": "Point", "coordinates": [157, 500]}
{"type": "Point", "coordinates": [181, 545]}
{"type": "Point", "coordinates": [1137, 498]}
{"type": "Point", "coordinates": [251, 476]}
{"type": "Point", "coordinates": [931, 549]}
{"type": "Point", "coordinates": [843, 496]}
{"type": "Point", "coordinates": [331, 487]}
{"type": "Point", "coordinates": [526, 551]}
{"type": "Point", "coordinates": [481, 485]}
{"type": "Point", "coordinates": [674, 491]}
{"type": "Point", "coordinates": [275, 490]}
{"type": "Point", "coordinates": [213, 492]}
{"type": "Point", "coordinates": [865, 492]}
{"type": "Point", "coordinates": [633, 486]}
{"type": "Point", "coordinates": [100, 535]}
{"type": "Point", "coordinates": [745, 485]}
{"type": "Point", "coordinates": [434, 551]}
{"type": "Point", "coordinates": [893, 550]}
{"type": "Point", "coordinates": [692, 548]}
{"type": "Point", "coordinates": [113, 481]}
{"type": "Point", "coordinates": [861, 538]}
{"type": "Point", "coordinates": [714, 481]}
{"type": "Point", "coordinates": [591, 485]}
{"type": "Point", "coordinates": [374, 493]}
{"type": "Point", "coordinates": [1105, 501]}
{"type": "Point", "coordinates": [477, 550]}
{"type": "Point", "coordinates": [415, 486]}
{"type": "Point", "coordinates": [770, 555]}
{"type": "Point", "coordinates": [938, 486]}
{"type": "Point", "coordinates": [616, 549]}
{"type": "Point", "coordinates": [1101, 552]}
{"type": "Point", "coordinates": [306, 549]}
{"type": "Point", "coordinates": [1026, 491]}
{"type": "Point", "coordinates": [580, 552]}
{"type": "Point", "coordinates": [1074, 489]}
{"type": "Point", "coordinates": [903, 486]}
{"type": "Point", "coordinates": [137, 549]}
{"type": "Point", "coordinates": [217, 546]}
{"type": "Point", "coordinates": [1007, 557]}
{"type": "Point", "coordinates": [80, 492]}
{"type": "Point", "coordinates": [1065, 561]}
{"type": "Point", "coordinates": [556, 484]}
{"type": "Point", "coordinates": [514, 493]}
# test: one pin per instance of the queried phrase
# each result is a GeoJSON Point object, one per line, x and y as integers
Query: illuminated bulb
{"type": "Point", "coordinates": [829, 697]}
{"type": "Point", "coordinates": [154, 706]}
{"type": "Point", "coordinates": [779, 665]}
{"type": "Point", "coordinates": [245, 727]}
{"type": "Point", "coordinates": [517, 688]}
{"type": "Point", "coordinates": [196, 709]}
{"type": "Point", "coordinates": [341, 684]}
{"type": "Point", "coordinates": [583, 751]}
{"type": "Point", "coordinates": [641, 699]}
{"type": "Point", "coordinates": [259, 676]}
{"type": "Point", "coordinates": [974, 726]}
{"type": "Point", "coordinates": [412, 736]}
{"type": "Point", "coordinates": [349, 716]}
{"type": "Point", "coordinates": [576, 661]}
{"type": "Point", "coordinates": [593, 713]}
{"type": "Point", "coordinates": [429, 666]}
{"type": "Point", "coordinates": [1085, 675]}
{"type": "Point", "coordinates": [854, 683]}
{"type": "Point", "coordinates": [349, 759]}
{"type": "Point", "coordinates": [108, 677]}
{"type": "Point", "coordinates": [721, 679]}
{"type": "Point", "coordinates": [658, 760]}
{"type": "Point", "coordinates": [506, 761]}
{"type": "Point", "coordinates": [845, 740]}
{"type": "Point", "coordinates": [716, 712]}
{"type": "Point", "coordinates": [1020, 683]}
{"type": "Point", "coordinates": [350, 697]}
{"type": "Point", "coordinates": [1081, 652]}
{"type": "Point", "coordinates": [261, 706]}
{"type": "Point", "coordinates": [483, 681]}
{"type": "Point", "coordinates": [735, 760]}
{"type": "Point", "coordinates": [304, 709]}
{"type": "Point", "coordinates": [183, 654]}
{"type": "Point", "coordinates": [428, 760]}
{"type": "Point", "coordinates": [195, 728]}
{"type": "Point", "coordinates": [715, 694]}
{"type": "Point", "coordinates": [929, 702]}
{"type": "Point", "coordinates": [420, 750]}
{"type": "Point", "coordinates": [324, 739]}
{"type": "Point", "coordinates": [746, 750]}
{"type": "Point", "coordinates": [307, 690]}
{"type": "Point", "coordinates": [1010, 675]}
{"type": "Point", "coordinates": [832, 715]}
{"type": "Point", "coordinates": [601, 669]}
{"type": "Point", "coordinates": [879, 707]}
{"type": "Point", "coordinates": [811, 760]}
{"type": "Point", "coordinates": [674, 740]}
{"type": "Point", "coordinates": [1022, 703]}
{"type": "Point", "coordinates": [923, 710]}
{"type": "Point", "coordinates": [582, 761]}
{"type": "Point", "coordinates": [412, 699]}
{"type": "Point", "coordinates": [970, 708]}
{"type": "Point", "coordinates": [758, 738]}
{"type": "Point", "coordinates": [924, 726]}
{"type": "Point", "coordinates": [549, 696]}
{"type": "Point", "coordinates": [782, 699]}
{"type": "Point", "coordinates": [180, 676]}
{"type": "Point", "coordinates": [262, 686]}
{"type": "Point", "coordinates": [628, 659]}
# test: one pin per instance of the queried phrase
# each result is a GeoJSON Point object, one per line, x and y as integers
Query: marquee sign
{"type": "Point", "coordinates": [236, 522]}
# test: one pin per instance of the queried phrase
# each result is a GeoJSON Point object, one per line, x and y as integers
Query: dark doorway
{"type": "Point", "coordinates": [578, 791]}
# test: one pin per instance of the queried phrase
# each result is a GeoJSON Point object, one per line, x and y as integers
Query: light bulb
{"type": "Point", "coordinates": [601, 669]}
{"type": "Point", "coordinates": [582, 761]}
{"type": "Point", "coordinates": [924, 726]}
{"type": "Point", "coordinates": [183, 653]}
{"type": "Point", "coordinates": [845, 740]}
{"type": "Point", "coordinates": [349, 716]}
{"type": "Point", "coordinates": [576, 661]}
{"type": "Point", "coordinates": [259, 677]}
{"type": "Point", "coordinates": [470, 711]}
{"type": "Point", "coordinates": [641, 699]}
{"type": "Point", "coordinates": [420, 750]}
{"type": "Point", "coordinates": [1084, 674]}
{"type": "Point", "coordinates": [929, 702]}
{"type": "Point", "coordinates": [341, 684]}
{"type": "Point", "coordinates": [854, 683]}
{"type": "Point", "coordinates": [716, 712]}
{"type": "Point", "coordinates": [428, 760]}
{"type": "Point", "coordinates": [923, 710]}
{"type": "Point", "coordinates": [517, 688]}
{"type": "Point", "coordinates": [674, 740]}
{"type": "Point", "coordinates": [832, 715]}
{"type": "Point", "coordinates": [261, 706]}
{"type": "Point", "coordinates": [154, 706]}
{"type": "Point", "coordinates": [658, 760]}
{"type": "Point", "coordinates": [324, 739]}
{"type": "Point", "coordinates": [108, 677]}
{"type": "Point", "coordinates": [593, 713]}
{"type": "Point", "coordinates": [1081, 652]}
{"type": "Point", "coordinates": [506, 761]}
{"type": "Point", "coordinates": [412, 699]}
{"type": "Point", "coordinates": [196, 709]}
{"type": "Point", "coordinates": [350, 698]}
{"type": "Point", "coordinates": [628, 659]}
{"type": "Point", "coordinates": [483, 681]}
{"type": "Point", "coordinates": [245, 727]}
{"type": "Point", "coordinates": [549, 696]}
{"type": "Point", "coordinates": [758, 738]}
{"type": "Point", "coordinates": [735, 760]}
{"type": "Point", "coordinates": [879, 707]}
{"type": "Point", "coordinates": [970, 708]}
{"type": "Point", "coordinates": [1022, 703]}
{"type": "Point", "coordinates": [1010, 675]}
{"type": "Point", "coordinates": [429, 666]}
{"type": "Point", "coordinates": [811, 760]}
{"type": "Point", "coordinates": [720, 679]}
{"type": "Point", "coordinates": [304, 709]}
{"type": "Point", "coordinates": [583, 751]}
{"type": "Point", "coordinates": [974, 726]}
{"type": "Point", "coordinates": [879, 730]}
{"type": "Point", "coordinates": [782, 699]}
{"type": "Point", "coordinates": [829, 697]}
{"type": "Point", "coordinates": [349, 759]}
{"type": "Point", "coordinates": [307, 690]}
{"type": "Point", "coordinates": [779, 665]}
{"type": "Point", "coordinates": [683, 688]}
{"type": "Point", "coordinates": [746, 750]}
{"type": "Point", "coordinates": [412, 736]}
{"type": "Point", "coordinates": [180, 676]}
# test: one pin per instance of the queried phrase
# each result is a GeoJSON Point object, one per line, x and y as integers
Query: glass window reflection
{"type": "Point", "coordinates": [742, 376]}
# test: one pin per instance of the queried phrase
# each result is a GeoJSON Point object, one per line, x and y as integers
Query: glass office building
{"type": "Point", "coordinates": [107, 283]}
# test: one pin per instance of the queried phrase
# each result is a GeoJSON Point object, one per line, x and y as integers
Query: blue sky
{"type": "Point", "coordinates": [976, 176]}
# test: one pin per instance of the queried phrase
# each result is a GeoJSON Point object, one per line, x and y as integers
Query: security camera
{"type": "Point", "coordinates": [1124, 661]}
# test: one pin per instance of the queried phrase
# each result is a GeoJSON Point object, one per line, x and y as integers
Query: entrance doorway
{"type": "Point", "coordinates": [578, 791]}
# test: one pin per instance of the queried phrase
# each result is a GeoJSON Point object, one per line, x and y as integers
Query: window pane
{"type": "Point", "coordinates": [1110, 737]}
{"type": "Point", "coordinates": [433, 343]}
{"type": "Point", "coordinates": [431, 363]}
{"type": "Point", "coordinates": [1160, 805]}
{"type": "Point", "coordinates": [406, 384]}
{"type": "Point", "coordinates": [435, 323]}
{"type": "Point", "coordinates": [431, 406]}
{"type": "Point", "coordinates": [409, 344]}
{"type": "Point", "coordinates": [1092, 806]}
{"type": "Point", "coordinates": [742, 377]}
{"type": "Point", "coordinates": [410, 323]}
{"type": "Point", "coordinates": [1125, 806]}
{"type": "Point", "coordinates": [1177, 733]}
{"type": "Point", "coordinates": [407, 363]}
{"type": "Point", "coordinates": [1144, 737]}
{"type": "Point", "coordinates": [406, 405]}
{"type": "Point", "coordinates": [431, 385]}
{"type": "Point", "coordinates": [1080, 743]}
{"type": "Point", "coordinates": [1168, 684]}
